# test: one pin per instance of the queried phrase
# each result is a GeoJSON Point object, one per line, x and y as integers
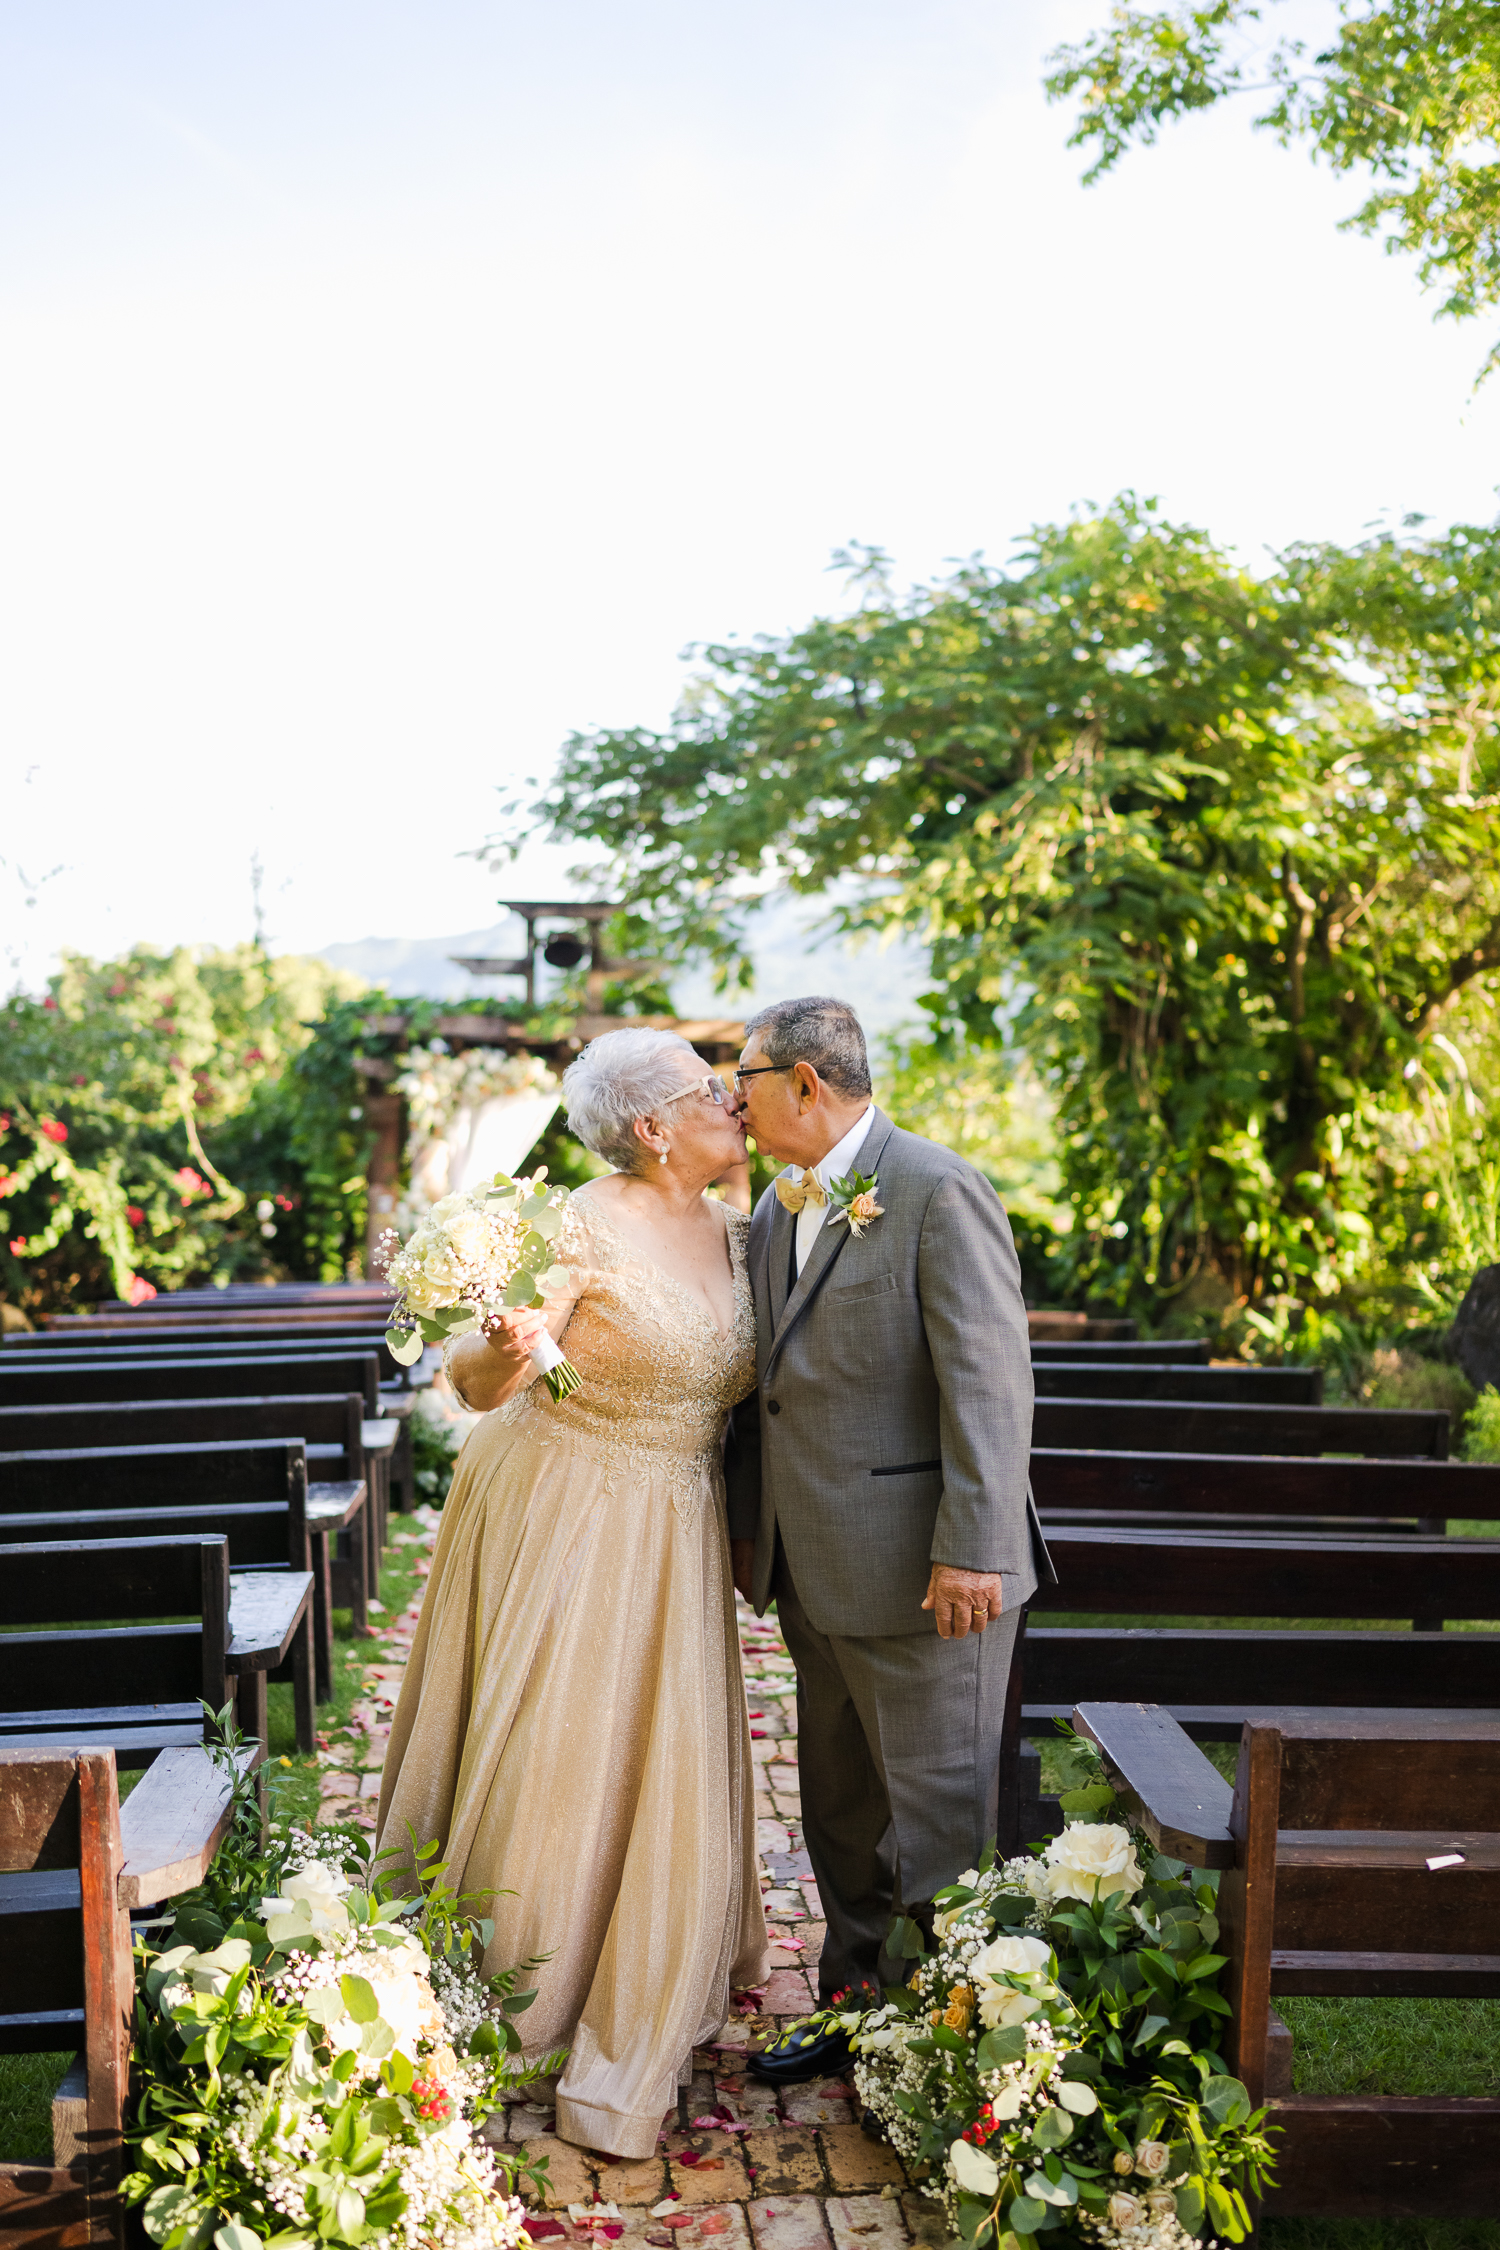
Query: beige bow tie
{"type": "Point", "coordinates": [792, 1194]}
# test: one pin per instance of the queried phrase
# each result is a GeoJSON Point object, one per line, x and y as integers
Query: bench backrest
{"type": "Point", "coordinates": [1174, 1354]}
{"type": "Point", "coordinates": [67, 1938]}
{"type": "Point", "coordinates": [70, 1659]}
{"type": "Point", "coordinates": [107, 1378]}
{"type": "Point", "coordinates": [1146, 1379]}
{"type": "Point", "coordinates": [1167, 1426]}
{"type": "Point", "coordinates": [237, 1471]}
{"type": "Point", "coordinates": [1134, 1573]}
{"type": "Point", "coordinates": [122, 1335]}
{"type": "Point", "coordinates": [323, 1421]}
{"type": "Point", "coordinates": [52, 1351]}
{"type": "Point", "coordinates": [1210, 1484]}
{"type": "Point", "coordinates": [263, 1535]}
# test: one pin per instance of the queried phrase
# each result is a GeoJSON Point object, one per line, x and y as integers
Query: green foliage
{"type": "Point", "coordinates": [1482, 1439]}
{"type": "Point", "coordinates": [1212, 851]}
{"type": "Point", "coordinates": [434, 1450]}
{"type": "Point", "coordinates": [1410, 91]}
{"type": "Point", "coordinates": [121, 1092]}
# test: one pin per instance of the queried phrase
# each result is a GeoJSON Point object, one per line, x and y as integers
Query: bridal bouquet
{"type": "Point", "coordinates": [319, 2074]}
{"type": "Point", "coordinates": [1051, 2067]}
{"type": "Point", "coordinates": [474, 1255]}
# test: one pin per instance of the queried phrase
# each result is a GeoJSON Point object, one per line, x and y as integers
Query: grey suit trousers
{"type": "Point", "coordinates": [898, 1753]}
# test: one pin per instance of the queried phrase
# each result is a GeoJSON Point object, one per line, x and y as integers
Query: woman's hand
{"type": "Point", "coordinates": [491, 1367]}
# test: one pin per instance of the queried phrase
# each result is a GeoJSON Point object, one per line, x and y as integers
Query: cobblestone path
{"type": "Point", "coordinates": [756, 2171]}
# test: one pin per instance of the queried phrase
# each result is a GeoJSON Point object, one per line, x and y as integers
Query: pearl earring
{"type": "Point", "coordinates": [663, 1156]}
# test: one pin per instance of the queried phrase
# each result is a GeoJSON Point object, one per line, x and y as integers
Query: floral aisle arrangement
{"type": "Point", "coordinates": [1051, 2068]}
{"type": "Point", "coordinates": [317, 2071]}
{"type": "Point", "coordinates": [472, 1256]}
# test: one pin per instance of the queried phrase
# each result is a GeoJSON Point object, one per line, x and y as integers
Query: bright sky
{"type": "Point", "coordinates": [388, 388]}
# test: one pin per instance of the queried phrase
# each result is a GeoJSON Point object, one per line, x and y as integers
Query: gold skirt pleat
{"type": "Point", "coordinates": [572, 1731]}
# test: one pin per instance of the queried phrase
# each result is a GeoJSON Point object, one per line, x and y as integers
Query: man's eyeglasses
{"type": "Point", "coordinates": [761, 1070]}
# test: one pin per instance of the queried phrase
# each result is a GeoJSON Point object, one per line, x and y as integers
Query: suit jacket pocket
{"type": "Point", "coordinates": [880, 1285]}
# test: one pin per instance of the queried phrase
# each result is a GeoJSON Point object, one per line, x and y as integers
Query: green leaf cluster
{"type": "Point", "coordinates": [1409, 91]}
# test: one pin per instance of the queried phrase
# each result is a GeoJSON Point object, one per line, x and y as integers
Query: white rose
{"type": "Point", "coordinates": [211, 1972]}
{"type": "Point", "coordinates": [1093, 1860]}
{"type": "Point", "coordinates": [1126, 2211]}
{"type": "Point", "coordinates": [1161, 2204]}
{"type": "Point", "coordinates": [471, 1237]}
{"type": "Point", "coordinates": [975, 2173]}
{"type": "Point", "coordinates": [1008, 1955]}
{"type": "Point", "coordinates": [1152, 2158]}
{"type": "Point", "coordinates": [405, 2002]}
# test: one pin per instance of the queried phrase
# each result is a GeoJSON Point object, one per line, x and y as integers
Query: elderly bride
{"type": "Point", "coordinates": [572, 1726]}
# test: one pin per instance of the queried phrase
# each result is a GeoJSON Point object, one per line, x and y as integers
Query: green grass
{"type": "Point", "coordinates": [28, 2082]}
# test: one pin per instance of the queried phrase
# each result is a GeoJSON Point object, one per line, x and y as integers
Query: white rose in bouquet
{"type": "Point", "coordinates": [1092, 1860]}
{"type": "Point", "coordinates": [309, 1904]}
{"type": "Point", "coordinates": [1007, 1955]}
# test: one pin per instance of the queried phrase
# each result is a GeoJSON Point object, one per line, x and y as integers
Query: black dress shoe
{"type": "Point", "coordinates": [804, 2052]}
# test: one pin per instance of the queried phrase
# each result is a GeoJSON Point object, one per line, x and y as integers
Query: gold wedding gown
{"type": "Point", "coordinates": [572, 1727]}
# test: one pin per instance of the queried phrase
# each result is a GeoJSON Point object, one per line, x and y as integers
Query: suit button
{"type": "Point", "coordinates": [773, 1406]}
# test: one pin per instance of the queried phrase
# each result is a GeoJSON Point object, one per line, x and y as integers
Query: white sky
{"type": "Point", "coordinates": [387, 388]}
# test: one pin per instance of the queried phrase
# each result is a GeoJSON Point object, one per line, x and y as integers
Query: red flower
{"type": "Point", "coordinates": [431, 2098]}
{"type": "Point", "coordinates": [283, 1202]}
{"type": "Point", "coordinates": [190, 1183]}
{"type": "Point", "coordinates": [253, 1054]}
{"type": "Point", "coordinates": [118, 989]}
{"type": "Point", "coordinates": [49, 1002]}
{"type": "Point", "coordinates": [139, 1291]}
{"type": "Point", "coordinates": [53, 1131]}
{"type": "Point", "coordinates": [18, 1247]}
{"type": "Point", "coordinates": [134, 1214]}
{"type": "Point", "coordinates": [4, 1121]}
{"type": "Point", "coordinates": [9, 1182]}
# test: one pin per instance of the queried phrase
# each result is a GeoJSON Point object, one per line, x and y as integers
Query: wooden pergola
{"type": "Point", "coordinates": [718, 1039]}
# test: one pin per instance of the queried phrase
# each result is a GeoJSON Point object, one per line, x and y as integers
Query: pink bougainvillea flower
{"type": "Point", "coordinates": [18, 1247]}
{"type": "Point", "coordinates": [52, 1131]}
{"type": "Point", "coordinates": [138, 1290]}
{"type": "Point", "coordinates": [190, 1183]}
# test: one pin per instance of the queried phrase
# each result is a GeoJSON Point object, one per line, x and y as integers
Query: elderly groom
{"type": "Point", "coordinates": [878, 1485]}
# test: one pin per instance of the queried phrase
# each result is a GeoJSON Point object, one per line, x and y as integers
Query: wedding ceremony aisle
{"type": "Point", "coordinates": [780, 2171]}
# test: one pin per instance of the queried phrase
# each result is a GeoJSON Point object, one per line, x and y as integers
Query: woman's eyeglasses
{"type": "Point", "coordinates": [711, 1088]}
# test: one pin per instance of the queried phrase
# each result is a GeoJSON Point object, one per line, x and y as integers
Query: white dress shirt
{"type": "Point", "coordinates": [836, 1165]}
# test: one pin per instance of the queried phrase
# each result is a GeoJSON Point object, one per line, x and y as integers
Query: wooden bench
{"type": "Point", "coordinates": [1212, 1677]}
{"type": "Point", "coordinates": [205, 1343]}
{"type": "Point", "coordinates": [1172, 1426]}
{"type": "Point", "coordinates": [1151, 1379]}
{"type": "Point", "coordinates": [238, 1479]}
{"type": "Point", "coordinates": [195, 1637]}
{"type": "Point", "coordinates": [108, 1377]}
{"type": "Point", "coordinates": [342, 1443]}
{"type": "Point", "coordinates": [1175, 1354]}
{"type": "Point", "coordinates": [73, 1864]}
{"type": "Point", "coordinates": [1097, 1489]}
{"type": "Point", "coordinates": [1352, 1850]}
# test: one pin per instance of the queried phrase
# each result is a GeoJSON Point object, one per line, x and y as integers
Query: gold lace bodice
{"type": "Point", "coordinates": [658, 1377]}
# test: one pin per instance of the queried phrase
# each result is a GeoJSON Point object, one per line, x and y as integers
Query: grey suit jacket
{"type": "Point", "coordinates": [892, 1424]}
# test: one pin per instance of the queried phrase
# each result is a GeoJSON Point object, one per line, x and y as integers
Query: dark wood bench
{"type": "Point", "coordinates": [1096, 1489]}
{"type": "Point", "coordinates": [1151, 1379]}
{"type": "Point", "coordinates": [343, 1446]}
{"type": "Point", "coordinates": [236, 1481]}
{"type": "Point", "coordinates": [71, 1678]}
{"type": "Point", "coordinates": [204, 1343]}
{"type": "Point", "coordinates": [107, 1377]}
{"type": "Point", "coordinates": [73, 1865]}
{"type": "Point", "coordinates": [1352, 1848]}
{"type": "Point", "coordinates": [1193, 1354]}
{"type": "Point", "coordinates": [1172, 1426]}
{"type": "Point", "coordinates": [1212, 1677]}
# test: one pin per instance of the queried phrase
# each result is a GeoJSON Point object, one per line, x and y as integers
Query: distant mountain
{"type": "Point", "coordinates": [882, 985]}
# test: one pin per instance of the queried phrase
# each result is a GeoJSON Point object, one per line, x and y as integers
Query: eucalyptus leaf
{"type": "Point", "coordinates": [359, 1998]}
{"type": "Point", "coordinates": [405, 1346]}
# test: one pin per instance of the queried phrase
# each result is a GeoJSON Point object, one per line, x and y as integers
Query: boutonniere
{"type": "Point", "coordinates": [854, 1199]}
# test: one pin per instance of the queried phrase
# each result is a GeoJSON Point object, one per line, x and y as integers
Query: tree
{"type": "Point", "coordinates": [1215, 851]}
{"type": "Point", "coordinates": [1410, 90]}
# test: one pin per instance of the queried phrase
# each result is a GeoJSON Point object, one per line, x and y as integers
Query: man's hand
{"type": "Point", "coordinates": [742, 1565]}
{"type": "Point", "coordinates": [962, 1599]}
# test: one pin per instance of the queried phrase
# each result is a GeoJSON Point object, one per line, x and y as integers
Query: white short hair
{"type": "Point", "coordinates": [620, 1076]}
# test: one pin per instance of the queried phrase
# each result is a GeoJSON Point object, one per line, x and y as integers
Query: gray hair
{"type": "Point", "coordinates": [823, 1032]}
{"type": "Point", "coordinates": [620, 1076]}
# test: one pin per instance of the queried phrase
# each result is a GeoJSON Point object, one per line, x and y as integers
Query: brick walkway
{"type": "Point", "coordinates": [756, 2171]}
